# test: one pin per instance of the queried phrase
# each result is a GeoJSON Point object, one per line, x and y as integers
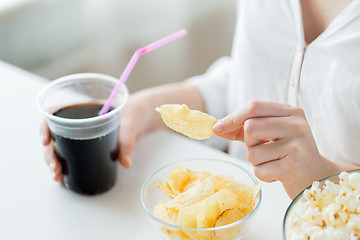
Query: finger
{"type": "Point", "coordinates": [237, 134]}
{"type": "Point", "coordinates": [260, 130]}
{"type": "Point", "coordinates": [252, 110]}
{"type": "Point", "coordinates": [270, 171]}
{"type": "Point", "coordinates": [53, 163]}
{"type": "Point", "coordinates": [57, 172]}
{"type": "Point", "coordinates": [48, 154]}
{"type": "Point", "coordinates": [127, 138]}
{"type": "Point", "coordinates": [45, 133]}
{"type": "Point", "coordinates": [266, 152]}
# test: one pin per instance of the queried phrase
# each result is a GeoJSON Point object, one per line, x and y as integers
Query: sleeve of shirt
{"type": "Point", "coordinates": [213, 86]}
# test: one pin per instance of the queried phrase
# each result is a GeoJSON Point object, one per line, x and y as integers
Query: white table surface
{"type": "Point", "coordinates": [32, 206]}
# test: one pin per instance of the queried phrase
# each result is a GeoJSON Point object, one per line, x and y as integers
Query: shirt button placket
{"type": "Point", "coordinates": [295, 77]}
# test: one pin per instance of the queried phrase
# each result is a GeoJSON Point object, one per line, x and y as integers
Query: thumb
{"type": "Point", "coordinates": [237, 134]}
{"type": "Point", "coordinates": [228, 124]}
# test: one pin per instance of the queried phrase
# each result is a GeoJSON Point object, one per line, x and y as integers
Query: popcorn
{"type": "Point", "coordinates": [329, 212]}
{"type": "Point", "coordinates": [354, 180]}
{"type": "Point", "coordinates": [333, 215]}
{"type": "Point", "coordinates": [320, 235]}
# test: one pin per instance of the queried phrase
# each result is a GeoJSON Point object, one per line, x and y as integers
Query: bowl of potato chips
{"type": "Point", "coordinates": [201, 199]}
{"type": "Point", "coordinates": [328, 209]}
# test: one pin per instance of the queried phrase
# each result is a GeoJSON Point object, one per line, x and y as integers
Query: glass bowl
{"type": "Point", "coordinates": [151, 195]}
{"type": "Point", "coordinates": [300, 200]}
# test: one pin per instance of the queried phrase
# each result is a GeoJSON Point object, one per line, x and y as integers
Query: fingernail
{"type": "Point", "coordinates": [128, 161]}
{"type": "Point", "coordinates": [218, 127]}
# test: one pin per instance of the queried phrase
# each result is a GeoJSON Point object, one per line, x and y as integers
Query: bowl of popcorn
{"type": "Point", "coordinates": [201, 199]}
{"type": "Point", "coordinates": [328, 209]}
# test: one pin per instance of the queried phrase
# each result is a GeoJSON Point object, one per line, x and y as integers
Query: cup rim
{"type": "Point", "coordinates": [69, 78]}
{"type": "Point", "coordinates": [150, 213]}
{"type": "Point", "coordinates": [299, 196]}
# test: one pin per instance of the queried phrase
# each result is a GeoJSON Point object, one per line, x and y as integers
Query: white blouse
{"type": "Point", "coordinates": [271, 61]}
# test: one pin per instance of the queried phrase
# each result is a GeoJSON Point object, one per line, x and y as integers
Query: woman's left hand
{"type": "Point", "coordinates": [280, 144]}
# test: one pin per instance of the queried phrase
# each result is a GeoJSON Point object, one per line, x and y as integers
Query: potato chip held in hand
{"type": "Point", "coordinates": [192, 123]}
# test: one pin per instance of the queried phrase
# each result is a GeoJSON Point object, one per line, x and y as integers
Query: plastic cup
{"type": "Point", "coordinates": [85, 146]}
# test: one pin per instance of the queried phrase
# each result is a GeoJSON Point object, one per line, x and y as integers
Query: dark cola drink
{"type": "Point", "coordinates": [89, 164]}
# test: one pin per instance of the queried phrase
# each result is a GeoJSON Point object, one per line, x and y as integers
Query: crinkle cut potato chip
{"type": "Point", "coordinates": [192, 123]}
{"type": "Point", "coordinates": [202, 200]}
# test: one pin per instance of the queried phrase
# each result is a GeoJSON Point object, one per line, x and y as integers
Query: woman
{"type": "Point", "coordinates": [289, 95]}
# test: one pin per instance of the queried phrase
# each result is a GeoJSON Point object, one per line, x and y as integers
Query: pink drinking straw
{"type": "Point", "coordinates": [133, 61]}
